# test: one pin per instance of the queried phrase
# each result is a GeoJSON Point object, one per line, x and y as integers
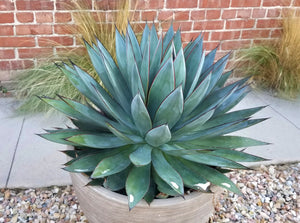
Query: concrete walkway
{"type": "Point", "coordinates": [26, 160]}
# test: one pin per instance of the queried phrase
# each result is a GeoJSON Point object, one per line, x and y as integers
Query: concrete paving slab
{"type": "Point", "coordinates": [38, 162]}
{"type": "Point", "coordinates": [9, 135]}
{"type": "Point", "coordinates": [290, 109]}
{"type": "Point", "coordinates": [284, 136]}
{"type": "Point", "coordinates": [7, 107]}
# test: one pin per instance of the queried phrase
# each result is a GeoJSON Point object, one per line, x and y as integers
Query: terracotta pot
{"type": "Point", "coordinates": [102, 205]}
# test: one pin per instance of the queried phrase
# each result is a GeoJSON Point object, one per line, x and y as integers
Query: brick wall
{"type": "Point", "coordinates": [31, 28]}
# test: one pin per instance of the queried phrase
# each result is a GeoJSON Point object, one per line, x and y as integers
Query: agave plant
{"type": "Point", "coordinates": [159, 122]}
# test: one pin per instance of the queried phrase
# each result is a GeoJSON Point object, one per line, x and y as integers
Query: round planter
{"type": "Point", "coordinates": [102, 205]}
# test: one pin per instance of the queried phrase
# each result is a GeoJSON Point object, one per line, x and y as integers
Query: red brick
{"type": "Point", "coordinates": [6, 17]}
{"type": "Point", "coordinates": [225, 35]}
{"type": "Point", "coordinates": [6, 30]}
{"type": "Point", "coordinates": [214, 3]}
{"type": "Point", "coordinates": [275, 33]}
{"type": "Point", "coordinates": [296, 3]}
{"type": "Point", "coordinates": [149, 15]}
{"type": "Point", "coordinates": [17, 41]}
{"type": "Point", "coordinates": [220, 54]}
{"type": "Point", "coordinates": [63, 17]}
{"type": "Point", "coordinates": [25, 17]}
{"type": "Point", "coordinates": [188, 36]}
{"type": "Point", "coordinates": [182, 15]}
{"type": "Point", "coordinates": [55, 40]}
{"type": "Point", "coordinates": [268, 23]}
{"type": "Point", "coordinates": [276, 3]}
{"type": "Point", "coordinates": [6, 5]}
{"type": "Point", "coordinates": [235, 44]}
{"type": "Point", "coordinates": [256, 33]}
{"type": "Point", "coordinates": [44, 17]}
{"type": "Point", "coordinates": [213, 14]}
{"type": "Point", "coordinates": [7, 54]}
{"type": "Point", "coordinates": [198, 15]}
{"type": "Point", "coordinates": [5, 65]}
{"type": "Point", "coordinates": [181, 4]}
{"type": "Point", "coordinates": [33, 29]}
{"type": "Point", "coordinates": [146, 4]}
{"type": "Point", "coordinates": [135, 15]}
{"type": "Point", "coordinates": [210, 45]}
{"type": "Point", "coordinates": [239, 24]}
{"type": "Point", "coordinates": [154, 4]}
{"type": "Point", "coordinates": [243, 13]}
{"type": "Point", "coordinates": [229, 14]}
{"type": "Point", "coordinates": [275, 12]}
{"type": "Point", "coordinates": [165, 15]}
{"type": "Point", "coordinates": [35, 52]}
{"type": "Point", "coordinates": [245, 3]}
{"type": "Point", "coordinates": [106, 4]}
{"type": "Point", "coordinates": [208, 25]}
{"type": "Point", "coordinates": [35, 5]}
{"type": "Point", "coordinates": [259, 13]}
{"type": "Point", "coordinates": [184, 26]}
{"type": "Point", "coordinates": [21, 64]}
{"type": "Point", "coordinates": [64, 29]}
{"type": "Point", "coordinates": [73, 5]}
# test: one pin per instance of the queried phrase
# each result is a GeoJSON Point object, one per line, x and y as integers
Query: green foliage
{"type": "Point", "coordinates": [46, 79]}
{"type": "Point", "coordinates": [275, 64]}
{"type": "Point", "coordinates": [167, 130]}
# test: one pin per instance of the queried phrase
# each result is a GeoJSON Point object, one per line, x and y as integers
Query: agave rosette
{"type": "Point", "coordinates": [160, 120]}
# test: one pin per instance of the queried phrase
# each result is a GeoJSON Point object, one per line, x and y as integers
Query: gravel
{"type": "Point", "coordinates": [271, 194]}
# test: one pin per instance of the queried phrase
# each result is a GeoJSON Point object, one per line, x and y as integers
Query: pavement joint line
{"type": "Point", "coordinates": [14, 155]}
{"type": "Point", "coordinates": [270, 106]}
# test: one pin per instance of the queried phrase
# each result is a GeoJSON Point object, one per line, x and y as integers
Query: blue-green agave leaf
{"type": "Point", "coordinates": [166, 172]}
{"type": "Point", "coordinates": [177, 41]}
{"type": "Point", "coordinates": [190, 178]}
{"type": "Point", "coordinates": [145, 68]}
{"type": "Point", "coordinates": [113, 164]}
{"type": "Point", "coordinates": [137, 184]}
{"type": "Point", "coordinates": [209, 60]}
{"type": "Point", "coordinates": [60, 136]}
{"type": "Point", "coordinates": [168, 38]}
{"type": "Point", "coordinates": [236, 156]}
{"type": "Point", "coordinates": [134, 77]}
{"type": "Point", "coordinates": [140, 115]}
{"type": "Point", "coordinates": [120, 52]}
{"type": "Point", "coordinates": [223, 79]}
{"type": "Point", "coordinates": [155, 59]}
{"type": "Point", "coordinates": [163, 187]}
{"type": "Point", "coordinates": [162, 86]}
{"type": "Point", "coordinates": [217, 71]}
{"type": "Point", "coordinates": [232, 117]}
{"type": "Point", "coordinates": [170, 110]}
{"type": "Point", "coordinates": [117, 181]}
{"type": "Point", "coordinates": [97, 140]}
{"type": "Point", "coordinates": [193, 125]}
{"type": "Point", "coordinates": [212, 160]}
{"type": "Point", "coordinates": [194, 64]}
{"type": "Point", "coordinates": [212, 175]}
{"type": "Point", "coordinates": [100, 68]}
{"type": "Point", "coordinates": [145, 39]}
{"type": "Point", "coordinates": [226, 142]}
{"type": "Point", "coordinates": [180, 69]}
{"type": "Point", "coordinates": [86, 163]}
{"type": "Point", "coordinates": [196, 97]}
{"type": "Point", "coordinates": [158, 135]}
{"type": "Point", "coordinates": [141, 156]}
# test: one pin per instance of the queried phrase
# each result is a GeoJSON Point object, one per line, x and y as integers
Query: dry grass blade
{"type": "Point", "coordinates": [46, 79]}
{"type": "Point", "coordinates": [275, 65]}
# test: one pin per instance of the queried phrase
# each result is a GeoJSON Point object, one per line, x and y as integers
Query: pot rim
{"type": "Point", "coordinates": [122, 199]}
